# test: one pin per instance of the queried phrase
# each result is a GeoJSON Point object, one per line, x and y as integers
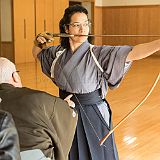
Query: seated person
{"type": "Point", "coordinates": [9, 143]}
{"type": "Point", "coordinates": [43, 121]}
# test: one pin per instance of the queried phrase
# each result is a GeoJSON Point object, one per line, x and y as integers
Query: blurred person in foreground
{"type": "Point", "coordinates": [43, 121]}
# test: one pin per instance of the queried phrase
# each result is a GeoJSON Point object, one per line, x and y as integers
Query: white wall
{"type": "Point", "coordinates": [6, 26]}
{"type": "Point", "coordinates": [126, 2]}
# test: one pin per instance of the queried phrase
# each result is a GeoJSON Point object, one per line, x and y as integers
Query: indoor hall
{"type": "Point", "coordinates": [131, 23]}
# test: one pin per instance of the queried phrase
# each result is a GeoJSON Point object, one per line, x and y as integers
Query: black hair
{"type": "Point", "coordinates": [67, 19]}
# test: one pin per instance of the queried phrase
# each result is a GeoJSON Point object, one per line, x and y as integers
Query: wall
{"type": "Point", "coordinates": [98, 29]}
{"type": "Point", "coordinates": [127, 20]}
{"type": "Point", "coordinates": [6, 45]}
{"type": "Point", "coordinates": [6, 28]}
{"type": "Point", "coordinates": [126, 2]}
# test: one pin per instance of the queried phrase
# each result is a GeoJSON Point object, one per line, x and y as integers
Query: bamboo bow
{"type": "Point", "coordinates": [50, 37]}
{"type": "Point", "coordinates": [130, 113]}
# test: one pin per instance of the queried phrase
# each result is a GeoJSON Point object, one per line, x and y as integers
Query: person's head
{"type": "Point", "coordinates": [8, 73]}
{"type": "Point", "coordinates": [75, 21]}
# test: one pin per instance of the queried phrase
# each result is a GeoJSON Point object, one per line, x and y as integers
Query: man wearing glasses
{"type": "Point", "coordinates": [43, 121]}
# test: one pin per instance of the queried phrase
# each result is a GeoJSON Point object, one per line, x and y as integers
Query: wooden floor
{"type": "Point", "coordinates": [138, 137]}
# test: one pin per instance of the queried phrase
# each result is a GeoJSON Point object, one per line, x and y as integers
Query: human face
{"type": "Point", "coordinates": [79, 25]}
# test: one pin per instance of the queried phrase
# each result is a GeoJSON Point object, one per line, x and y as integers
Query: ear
{"type": "Point", "coordinates": [66, 29]}
{"type": "Point", "coordinates": [16, 77]}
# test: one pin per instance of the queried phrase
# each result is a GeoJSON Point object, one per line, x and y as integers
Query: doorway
{"type": "Point", "coordinates": [6, 30]}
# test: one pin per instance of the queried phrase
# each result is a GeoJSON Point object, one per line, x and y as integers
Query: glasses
{"type": "Point", "coordinates": [79, 25]}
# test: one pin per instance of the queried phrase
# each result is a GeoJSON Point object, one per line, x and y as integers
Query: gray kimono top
{"type": "Point", "coordinates": [78, 72]}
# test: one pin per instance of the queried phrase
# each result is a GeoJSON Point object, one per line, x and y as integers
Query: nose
{"type": "Point", "coordinates": [82, 27]}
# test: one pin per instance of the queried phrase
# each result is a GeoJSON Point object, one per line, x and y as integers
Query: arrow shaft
{"type": "Point", "coordinates": [102, 35]}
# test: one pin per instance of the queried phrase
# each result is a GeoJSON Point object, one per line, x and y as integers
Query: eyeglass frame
{"type": "Point", "coordinates": [85, 24]}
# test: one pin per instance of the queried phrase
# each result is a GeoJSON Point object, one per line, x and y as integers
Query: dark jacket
{"type": "Point", "coordinates": [9, 143]}
{"type": "Point", "coordinates": [43, 121]}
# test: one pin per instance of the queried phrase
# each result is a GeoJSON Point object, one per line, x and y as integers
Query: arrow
{"type": "Point", "coordinates": [100, 35]}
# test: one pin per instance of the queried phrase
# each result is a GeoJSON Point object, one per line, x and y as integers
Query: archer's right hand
{"type": "Point", "coordinates": [43, 38]}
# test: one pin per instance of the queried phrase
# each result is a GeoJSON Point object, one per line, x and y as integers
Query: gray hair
{"type": "Point", "coordinates": [6, 70]}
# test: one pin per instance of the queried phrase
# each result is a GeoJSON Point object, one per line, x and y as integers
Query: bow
{"type": "Point", "coordinates": [101, 141]}
{"type": "Point", "coordinates": [130, 113]}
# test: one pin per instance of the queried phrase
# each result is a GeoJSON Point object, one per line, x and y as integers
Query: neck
{"type": "Point", "coordinates": [15, 84]}
{"type": "Point", "coordinates": [74, 46]}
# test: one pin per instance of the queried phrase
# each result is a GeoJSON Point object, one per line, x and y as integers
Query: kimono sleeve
{"type": "Point", "coordinates": [46, 57]}
{"type": "Point", "coordinates": [114, 63]}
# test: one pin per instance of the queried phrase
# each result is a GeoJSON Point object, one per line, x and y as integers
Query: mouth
{"type": "Point", "coordinates": [80, 35]}
{"type": "Point", "coordinates": [67, 35]}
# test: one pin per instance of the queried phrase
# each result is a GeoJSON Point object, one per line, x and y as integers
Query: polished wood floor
{"type": "Point", "coordinates": [138, 137]}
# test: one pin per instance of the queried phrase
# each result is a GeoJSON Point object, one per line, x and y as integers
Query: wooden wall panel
{"type": "Point", "coordinates": [98, 20]}
{"type": "Point", "coordinates": [59, 7]}
{"type": "Point", "coordinates": [39, 16]}
{"type": "Point", "coordinates": [44, 15]}
{"type": "Point", "coordinates": [18, 31]}
{"type": "Point", "coordinates": [31, 18]}
{"type": "Point", "coordinates": [23, 30]}
{"type": "Point", "coordinates": [6, 50]}
{"type": "Point", "coordinates": [30, 29]}
{"type": "Point", "coordinates": [129, 20]}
